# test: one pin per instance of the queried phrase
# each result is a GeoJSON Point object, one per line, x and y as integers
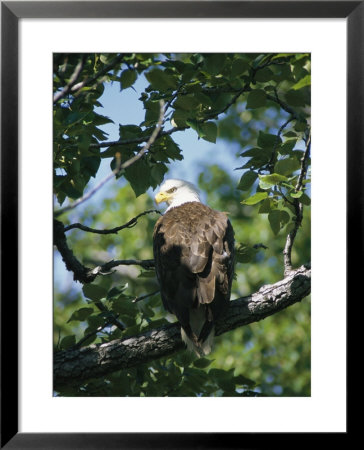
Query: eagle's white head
{"type": "Point", "coordinates": [176, 192]}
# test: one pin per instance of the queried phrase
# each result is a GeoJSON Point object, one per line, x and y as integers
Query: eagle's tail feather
{"type": "Point", "coordinates": [199, 334]}
{"type": "Point", "coordinates": [197, 347]}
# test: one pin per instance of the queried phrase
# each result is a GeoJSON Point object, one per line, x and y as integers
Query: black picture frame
{"type": "Point", "coordinates": [11, 12]}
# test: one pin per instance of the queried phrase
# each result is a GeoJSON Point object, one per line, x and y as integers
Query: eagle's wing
{"type": "Point", "coordinates": [194, 253]}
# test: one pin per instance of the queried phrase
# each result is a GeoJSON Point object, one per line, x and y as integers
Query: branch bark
{"type": "Point", "coordinates": [97, 360]}
{"type": "Point", "coordinates": [287, 251]}
{"type": "Point", "coordinates": [85, 274]}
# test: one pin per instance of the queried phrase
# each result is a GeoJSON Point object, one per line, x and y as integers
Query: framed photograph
{"type": "Point", "coordinates": [180, 178]}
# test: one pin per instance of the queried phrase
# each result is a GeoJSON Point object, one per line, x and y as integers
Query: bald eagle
{"type": "Point", "coordinates": [193, 249]}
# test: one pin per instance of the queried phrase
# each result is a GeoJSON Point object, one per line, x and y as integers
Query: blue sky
{"type": "Point", "coordinates": [125, 108]}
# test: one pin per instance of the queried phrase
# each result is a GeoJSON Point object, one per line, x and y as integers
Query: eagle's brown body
{"type": "Point", "coordinates": [194, 253]}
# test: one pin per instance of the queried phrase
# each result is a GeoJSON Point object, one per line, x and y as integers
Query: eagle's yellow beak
{"type": "Point", "coordinates": [161, 197]}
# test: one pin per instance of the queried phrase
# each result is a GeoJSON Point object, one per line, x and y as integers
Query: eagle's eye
{"type": "Point", "coordinates": [170, 191]}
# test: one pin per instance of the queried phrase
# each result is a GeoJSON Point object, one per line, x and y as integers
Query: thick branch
{"type": "Point", "coordinates": [85, 274]}
{"type": "Point", "coordinates": [98, 360]}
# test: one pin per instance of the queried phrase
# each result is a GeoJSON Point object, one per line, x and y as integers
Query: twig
{"type": "Point", "coordinates": [283, 105]}
{"type": "Point", "coordinates": [92, 191]}
{"type": "Point", "coordinates": [287, 252]}
{"type": "Point", "coordinates": [142, 297]}
{"type": "Point", "coordinates": [145, 263]}
{"type": "Point", "coordinates": [112, 318]}
{"type": "Point", "coordinates": [132, 222]}
{"type": "Point", "coordinates": [81, 341]}
{"type": "Point", "coordinates": [119, 166]}
{"type": "Point", "coordinates": [74, 77]}
{"type": "Point", "coordinates": [76, 87]}
{"type": "Point", "coordinates": [151, 139]}
{"type": "Point", "coordinates": [273, 157]}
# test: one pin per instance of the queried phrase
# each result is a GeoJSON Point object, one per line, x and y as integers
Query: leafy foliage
{"type": "Point", "coordinates": [259, 103]}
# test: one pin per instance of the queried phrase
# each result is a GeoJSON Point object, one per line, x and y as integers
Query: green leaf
{"type": "Point", "coordinates": [241, 380]}
{"type": "Point", "coordinates": [106, 57]}
{"type": "Point", "coordinates": [138, 175]}
{"type": "Point", "coordinates": [265, 207]}
{"type": "Point", "coordinates": [81, 314]}
{"type": "Point", "coordinates": [256, 99]}
{"type": "Point", "coordinates": [186, 102]}
{"type": "Point", "coordinates": [300, 126]}
{"type": "Point", "coordinates": [295, 98]}
{"type": "Point", "coordinates": [158, 171]}
{"type": "Point", "coordinates": [208, 131]}
{"type": "Point", "coordinates": [287, 146]}
{"type": "Point", "coordinates": [131, 131]}
{"type": "Point", "coordinates": [74, 117]}
{"type": "Point", "coordinates": [180, 117]}
{"type": "Point", "coordinates": [214, 63]}
{"type": "Point", "coordinates": [147, 274]}
{"type": "Point", "coordinates": [202, 363]}
{"type": "Point", "coordinates": [184, 359]}
{"type": "Point", "coordinates": [286, 166]}
{"type": "Point", "coordinates": [245, 253]}
{"type": "Point", "coordinates": [277, 219]}
{"type": "Point", "coordinates": [264, 75]}
{"type": "Point", "coordinates": [116, 291]}
{"type": "Point", "coordinates": [305, 199]}
{"type": "Point", "coordinates": [84, 141]}
{"type": "Point", "coordinates": [274, 218]}
{"type": "Point", "coordinates": [305, 81]}
{"type": "Point", "coordinates": [94, 292]}
{"type": "Point", "coordinates": [67, 342]}
{"type": "Point", "coordinates": [95, 321]}
{"type": "Point", "coordinates": [165, 148]}
{"type": "Point", "coordinates": [273, 179]}
{"type": "Point", "coordinates": [285, 217]}
{"type": "Point", "coordinates": [256, 198]}
{"type": "Point", "coordinates": [296, 194]}
{"type": "Point", "coordinates": [238, 67]}
{"type": "Point", "coordinates": [265, 185]}
{"type": "Point", "coordinates": [203, 99]}
{"type": "Point", "coordinates": [128, 78]}
{"type": "Point", "coordinates": [290, 134]}
{"type": "Point", "coordinates": [160, 80]}
{"type": "Point", "coordinates": [266, 140]}
{"type": "Point", "coordinates": [123, 305]}
{"type": "Point", "coordinates": [247, 180]}
{"type": "Point", "coordinates": [90, 165]}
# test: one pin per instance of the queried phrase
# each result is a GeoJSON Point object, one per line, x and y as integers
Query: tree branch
{"type": "Point", "coordinates": [287, 252]}
{"type": "Point", "coordinates": [97, 360]}
{"type": "Point", "coordinates": [132, 222]}
{"type": "Point", "coordinates": [82, 273]}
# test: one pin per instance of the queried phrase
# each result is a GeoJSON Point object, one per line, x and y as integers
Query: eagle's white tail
{"type": "Point", "coordinates": [197, 320]}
